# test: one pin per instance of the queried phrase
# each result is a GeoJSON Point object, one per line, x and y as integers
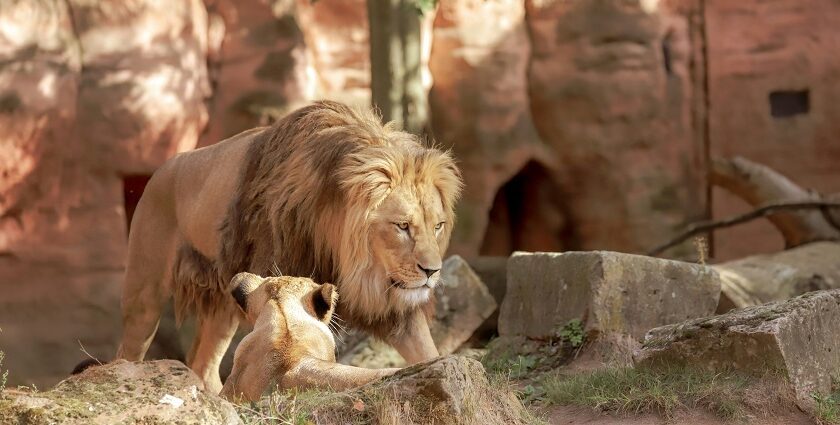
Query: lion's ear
{"type": "Point", "coordinates": [242, 286]}
{"type": "Point", "coordinates": [323, 302]}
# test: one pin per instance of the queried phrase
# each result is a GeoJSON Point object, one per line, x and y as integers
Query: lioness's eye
{"type": "Point", "coordinates": [403, 225]}
{"type": "Point", "coordinates": [439, 226]}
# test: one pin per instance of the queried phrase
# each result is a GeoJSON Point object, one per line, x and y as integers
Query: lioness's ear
{"type": "Point", "coordinates": [241, 287]}
{"type": "Point", "coordinates": [323, 302]}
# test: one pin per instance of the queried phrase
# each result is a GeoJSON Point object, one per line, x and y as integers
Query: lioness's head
{"type": "Point", "coordinates": [402, 234]}
{"type": "Point", "coordinates": [283, 309]}
{"type": "Point", "coordinates": [290, 345]}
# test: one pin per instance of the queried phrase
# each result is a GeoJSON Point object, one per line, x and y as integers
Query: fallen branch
{"type": "Point", "coordinates": [768, 209]}
{"type": "Point", "coordinates": [760, 185]}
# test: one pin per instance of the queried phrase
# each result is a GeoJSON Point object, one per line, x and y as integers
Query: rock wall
{"type": "Point", "coordinates": [610, 90]}
{"type": "Point", "coordinates": [91, 93]}
{"type": "Point", "coordinates": [772, 90]}
{"type": "Point", "coordinates": [577, 124]}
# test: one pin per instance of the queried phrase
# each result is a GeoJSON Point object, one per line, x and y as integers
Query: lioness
{"type": "Point", "coordinates": [327, 192]}
{"type": "Point", "coordinates": [290, 344]}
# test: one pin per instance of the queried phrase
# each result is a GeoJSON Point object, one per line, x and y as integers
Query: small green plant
{"type": "Point", "coordinates": [572, 333]}
{"type": "Point", "coordinates": [514, 366]}
{"type": "Point", "coordinates": [828, 407]}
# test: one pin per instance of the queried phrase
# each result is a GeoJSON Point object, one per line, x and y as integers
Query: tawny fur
{"type": "Point", "coordinates": [309, 187]}
{"type": "Point", "coordinates": [290, 345]}
{"type": "Point", "coordinates": [318, 194]}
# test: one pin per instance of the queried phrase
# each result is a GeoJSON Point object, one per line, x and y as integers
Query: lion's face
{"type": "Point", "coordinates": [408, 237]}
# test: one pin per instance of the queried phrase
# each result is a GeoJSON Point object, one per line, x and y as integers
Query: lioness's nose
{"type": "Point", "coordinates": [429, 272]}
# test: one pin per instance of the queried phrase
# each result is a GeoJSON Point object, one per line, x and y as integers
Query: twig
{"type": "Point", "coordinates": [763, 211]}
{"type": "Point", "coordinates": [82, 348]}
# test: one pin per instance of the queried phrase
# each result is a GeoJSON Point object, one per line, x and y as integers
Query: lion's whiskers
{"type": "Point", "coordinates": [275, 269]}
{"type": "Point", "coordinates": [337, 327]}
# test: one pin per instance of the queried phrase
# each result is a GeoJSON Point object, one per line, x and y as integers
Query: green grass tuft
{"type": "Point", "coordinates": [665, 391]}
{"type": "Point", "coordinates": [828, 408]}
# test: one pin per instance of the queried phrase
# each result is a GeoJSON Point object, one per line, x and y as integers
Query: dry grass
{"type": "Point", "coordinates": [381, 405]}
{"type": "Point", "coordinates": [373, 405]}
{"type": "Point", "coordinates": [4, 374]}
{"type": "Point", "coordinates": [667, 391]}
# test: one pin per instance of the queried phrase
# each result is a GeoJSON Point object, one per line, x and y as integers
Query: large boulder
{"type": "Point", "coordinates": [163, 391]}
{"type": "Point", "coordinates": [462, 303]}
{"type": "Point", "coordinates": [611, 293]}
{"type": "Point", "coordinates": [797, 338]}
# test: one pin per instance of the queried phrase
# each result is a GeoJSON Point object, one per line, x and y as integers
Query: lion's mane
{"type": "Point", "coordinates": [308, 187]}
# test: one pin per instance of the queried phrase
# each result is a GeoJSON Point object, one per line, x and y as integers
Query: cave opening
{"type": "Point", "coordinates": [526, 215]}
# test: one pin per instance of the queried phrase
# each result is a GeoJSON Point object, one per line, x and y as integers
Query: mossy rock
{"type": "Point", "coordinates": [120, 392]}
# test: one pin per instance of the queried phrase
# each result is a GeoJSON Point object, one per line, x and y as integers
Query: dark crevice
{"type": "Point", "coordinates": [526, 215]}
{"type": "Point", "coordinates": [133, 186]}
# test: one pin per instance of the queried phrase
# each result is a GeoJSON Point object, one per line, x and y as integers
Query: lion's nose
{"type": "Point", "coordinates": [429, 272]}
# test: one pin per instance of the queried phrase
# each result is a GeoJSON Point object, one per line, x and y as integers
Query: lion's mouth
{"type": "Point", "coordinates": [401, 285]}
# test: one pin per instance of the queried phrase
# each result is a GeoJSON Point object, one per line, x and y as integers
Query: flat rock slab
{"type": "Point", "coordinates": [610, 292]}
{"type": "Point", "coordinates": [798, 338]}
{"type": "Point", "coordinates": [462, 304]}
{"type": "Point", "coordinates": [156, 392]}
{"type": "Point", "coordinates": [779, 276]}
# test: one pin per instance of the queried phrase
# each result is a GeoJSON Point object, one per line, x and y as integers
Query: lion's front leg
{"type": "Point", "coordinates": [415, 344]}
{"type": "Point", "coordinates": [213, 336]}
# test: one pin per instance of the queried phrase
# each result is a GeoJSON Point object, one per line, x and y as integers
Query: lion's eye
{"type": "Point", "coordinates": [439, 226]}
{"type": "Point", "coordinates": [403, 225]}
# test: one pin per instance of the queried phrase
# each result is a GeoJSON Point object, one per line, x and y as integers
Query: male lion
{"type": "Point", "coordinates": [291, 344]}
{"type": "Point", "coordinates": [327, 192]}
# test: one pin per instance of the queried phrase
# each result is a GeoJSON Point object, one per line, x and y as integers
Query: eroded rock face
{"type": "Point", "coordinates": [795, 338]}
{"type": "Point", "coordinates": [257, 59]}
{"type": "Point", "coordinates": [611, 93]}
{"type": "Point", "coordinates": [163, 391]}
{"type": "Point", "coordinates": [338, 53]}
{"type": "Point", "coordinates": [611, 293]}
{"type": "Point", "coordinates": [142, 92]}
{"type": "Point", "coordinates": [62, 229]}
{"type": "Point", "coordinates": [479, 103]}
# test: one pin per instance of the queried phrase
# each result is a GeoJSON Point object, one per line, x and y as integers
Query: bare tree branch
{"type": "Point", "coordinates": [763, 211]}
